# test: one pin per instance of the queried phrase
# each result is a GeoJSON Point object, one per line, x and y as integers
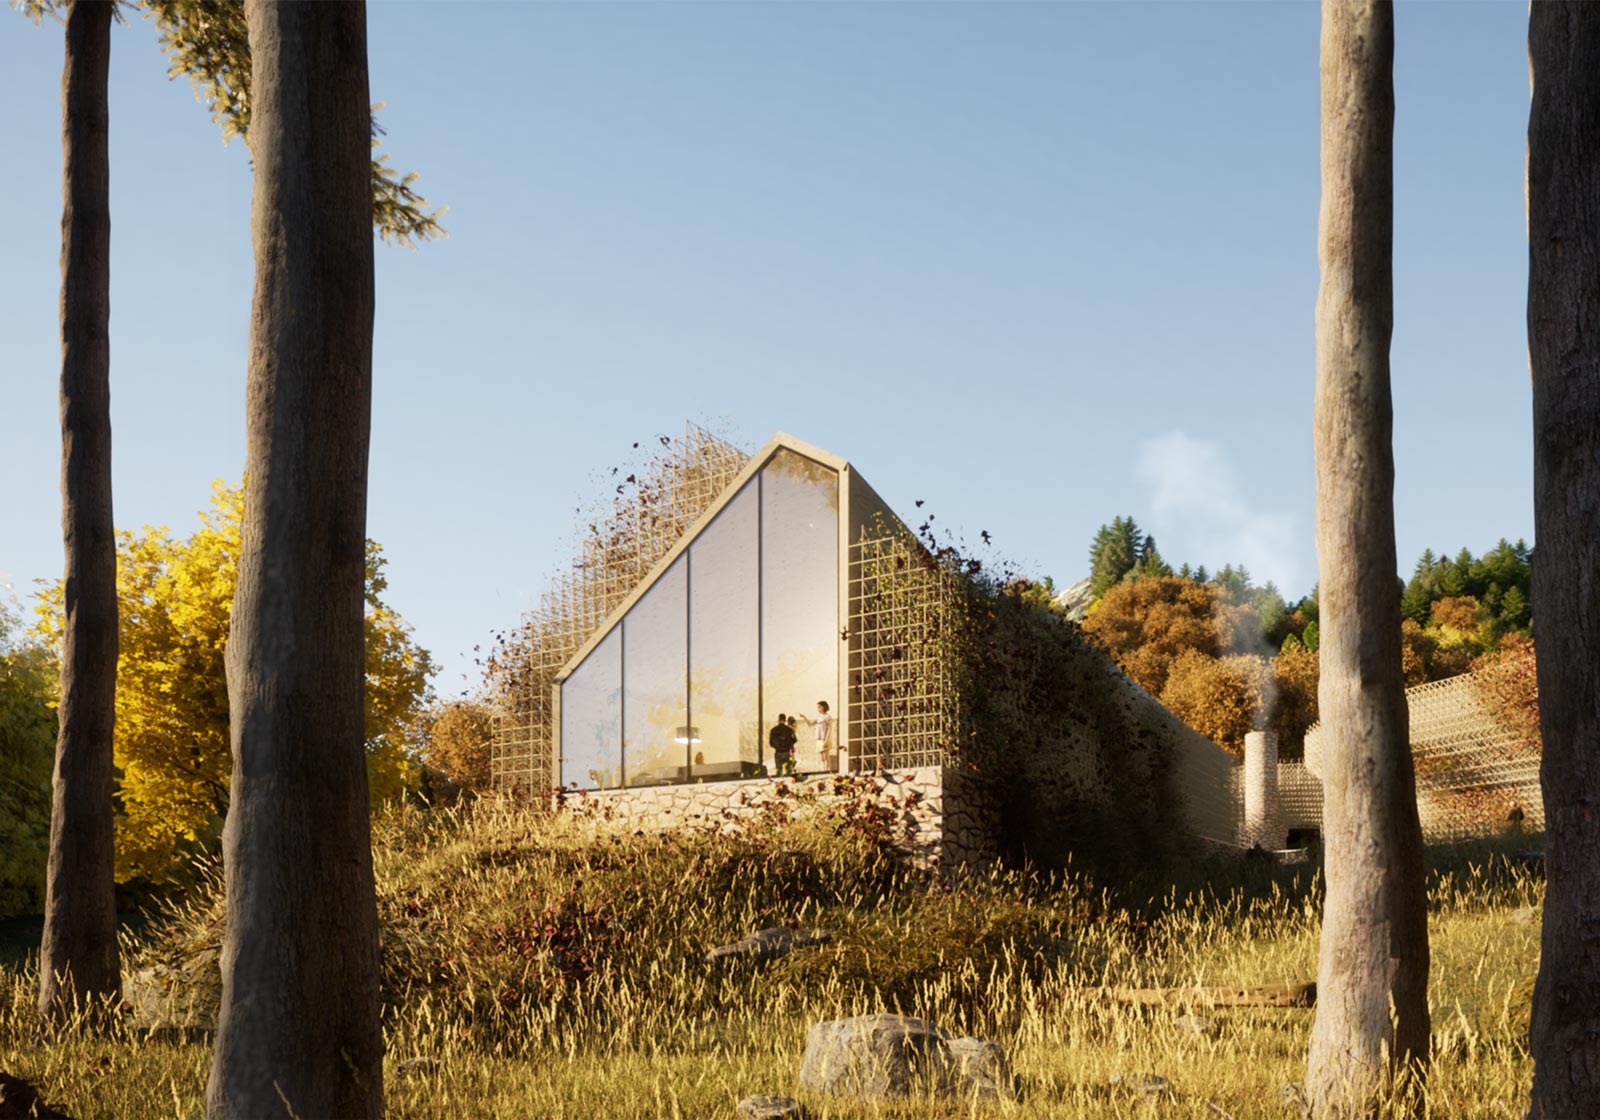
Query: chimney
{"type": "Point", "coordinates": [1261, 792]}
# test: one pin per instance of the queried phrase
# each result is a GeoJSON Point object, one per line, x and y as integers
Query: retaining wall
{"type": "Point", "coordinates": [940, 818]}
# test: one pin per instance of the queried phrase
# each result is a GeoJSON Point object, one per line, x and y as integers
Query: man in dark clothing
{"type": "Point", "coordinates": [782, 740]}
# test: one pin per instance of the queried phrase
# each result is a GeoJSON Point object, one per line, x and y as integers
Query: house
{"type": "Point", "coordinates": [719, 591]}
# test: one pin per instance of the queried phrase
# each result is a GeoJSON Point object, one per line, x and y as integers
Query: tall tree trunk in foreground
{"type": "Point", "coordinates": [78, 957]}
{"type": "Point", "coordinates": [1564, 354]}
{"type": "Point", "coordinates": [1374, 957]}
{"type": "Point", "coordinates": [299, 1030]}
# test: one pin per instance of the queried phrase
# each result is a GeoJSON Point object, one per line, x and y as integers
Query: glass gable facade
{"type": "Point", "coordinates": [744, 625]}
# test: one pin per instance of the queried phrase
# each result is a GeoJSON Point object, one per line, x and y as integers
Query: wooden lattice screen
{"type": "Point", "coordinates": [622, 536]}
{"type": "Point", "coordinates": [905, 619]}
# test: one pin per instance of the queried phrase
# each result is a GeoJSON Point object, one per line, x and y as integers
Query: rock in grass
{"type": "Point", "coordinates": [1524, 915]}
{"type": "Point", "coordinates": [768, 1107]}
{"type": "Point", "coordinates": [1197, 1025]}
{"type": "Point", "coordinates": [185, 992]}
{"type": "Point", "coordinates": [980, 1068]}
{"type": "Point", "coordinates": [1144, 1084]}
{"type": "Point", "coordinates": [897, 1056]}
{"type": "Point", "coordinates": [767, 945]}
{"type": "Point", "coordinates": [877, 1056]}
{"type": "Point", "coordinates": [20, 1101]}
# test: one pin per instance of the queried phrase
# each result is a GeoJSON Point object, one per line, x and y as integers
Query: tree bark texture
{"type": "Point", "coordinates": [1372, 1012]}
{"type": "Point", "coordinates": [78, 955]}
{"type": "Point", "coordinates": [299, 1030]}
{"type": "Point", "coordinates": [1564, 355]}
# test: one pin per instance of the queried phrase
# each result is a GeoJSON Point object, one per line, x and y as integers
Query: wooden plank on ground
{"type": "Point", "coordinates": [1278, 995]}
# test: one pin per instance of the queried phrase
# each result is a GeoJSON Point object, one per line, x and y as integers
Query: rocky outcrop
{"type": "Point", "coordinates": [1076, 600]}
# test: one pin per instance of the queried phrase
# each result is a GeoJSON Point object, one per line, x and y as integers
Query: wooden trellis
{"type": "Point", "coordinates": [1471, 769]}
{"type": "Point", "coordinates": [621, 538]}
{"type": "Point", "coordinates": [905, 685]}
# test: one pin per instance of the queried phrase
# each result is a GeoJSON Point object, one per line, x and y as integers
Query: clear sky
{"type": "Point", "coordinates": [1036, 264]}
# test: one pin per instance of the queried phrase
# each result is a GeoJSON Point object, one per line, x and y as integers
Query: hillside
{"type": "Point", "coordinates": [555, 967]}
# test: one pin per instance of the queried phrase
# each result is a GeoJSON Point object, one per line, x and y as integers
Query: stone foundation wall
{"type": "Point", "coordinates": [943, 820]}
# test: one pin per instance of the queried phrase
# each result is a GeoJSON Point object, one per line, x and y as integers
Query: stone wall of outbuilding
{"type": "Point", "coordinates": [940, 819]}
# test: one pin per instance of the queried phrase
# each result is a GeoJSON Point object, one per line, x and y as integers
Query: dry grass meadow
{"type": "Point", "coordinates": [553, 967]}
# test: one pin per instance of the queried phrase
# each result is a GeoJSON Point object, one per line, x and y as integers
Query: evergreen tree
{"type": "Point", "coordinates": [1150, 562]}
{"type": "Point", "coordinates": [1233, 582]}
{"type": "Point", "coordinates": [1564, 359]}
{"type": "Point", "coordinates": [78, 955]}
{"type": "Point", "coordinates": [1515, 612]}
{"type": "Point", "coordinates": [300, 1030]}
{"type": "Point", "coordinates": [1269, 604]}
{"type": "Point", "coordinates": [1115, 552]}
{"type": "Point", "coordinates": [1371, 1028]}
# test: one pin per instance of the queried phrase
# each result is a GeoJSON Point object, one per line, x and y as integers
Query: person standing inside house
{"type": "Point", "coordinates": [782, 740]}
{"type": "Point", "coordinates": [823, 726]}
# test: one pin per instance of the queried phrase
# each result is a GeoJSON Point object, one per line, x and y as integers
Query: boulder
{"type": "Point", "coordinates": [898, 1056]}
{"type": "Point", "coordinates": [183, 993]}
{"type": "Point", "coordinates": [767, 1107]}
{"type": "Point", "coordinates": [876, 1056]}
{"type": "Point", "coordinates": [767, 945]}
{"type": "Point", "coordinates": [981, 1068]}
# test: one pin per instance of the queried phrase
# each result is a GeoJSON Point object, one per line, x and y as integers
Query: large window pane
{"type": "Point", "coordinates": [724, 641]}
{"type": "Point", "coordinates": [591, 719]}
{"type": "Point", "coordinates": [799, 595]}
{"type": "Point", "coordinates": [656, 736]}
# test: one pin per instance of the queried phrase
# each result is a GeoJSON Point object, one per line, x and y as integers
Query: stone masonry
{"type": "Point", "coordinates": [941, 817]}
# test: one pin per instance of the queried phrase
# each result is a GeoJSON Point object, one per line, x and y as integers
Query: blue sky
{"type": "Point", "coordinates": [1037, 264]}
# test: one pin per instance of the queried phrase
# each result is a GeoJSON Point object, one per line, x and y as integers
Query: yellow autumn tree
{"type": "Point", "coordinates": [172, 753]}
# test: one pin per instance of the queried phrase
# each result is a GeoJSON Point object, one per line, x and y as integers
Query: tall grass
{"type": "Point", "coordinates": [539, 966]}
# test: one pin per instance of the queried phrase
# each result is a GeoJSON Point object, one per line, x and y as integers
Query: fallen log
{"type": "Point", "coordinates": [1278, 995]}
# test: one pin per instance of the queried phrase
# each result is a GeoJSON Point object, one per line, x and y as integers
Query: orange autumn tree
{"type": "Point", "coordinates": [1506, 683]}
{"type": "Point", "coordinates": [1223, 698]}
{"type": "Point", "coordinates": [1145, 625]}
{"type": "Point", "coordinates": [457, 740]}
{"type": "Point", "coordinates": [1204, 650]}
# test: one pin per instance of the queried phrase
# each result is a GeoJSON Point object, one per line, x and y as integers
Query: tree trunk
{"type": "Point", "coordinates": [1564, 354]}
{"type": "Point", "coordinates": [78, 957]}
{"type": "Point", "coordinates": [299, 1027]}
{"type": "Point", "coordinates": [1372, 1012]}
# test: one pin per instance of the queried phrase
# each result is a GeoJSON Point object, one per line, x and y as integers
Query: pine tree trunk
{"type": "Point", "coordinates": [78, 955]}
{"type": "Point", "coordinates": [1564, 354]}
{"type": "Point", "coordinates": [1374, 954]}
{"type": "Point", "coordinates": [299, 1027]}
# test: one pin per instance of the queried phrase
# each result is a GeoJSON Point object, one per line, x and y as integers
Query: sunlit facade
{"type": "Point", "coordinates": [742, 621]}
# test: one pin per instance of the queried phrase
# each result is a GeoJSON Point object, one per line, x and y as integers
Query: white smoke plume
{"type": "Point", "coordinates": [1204, 516]}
